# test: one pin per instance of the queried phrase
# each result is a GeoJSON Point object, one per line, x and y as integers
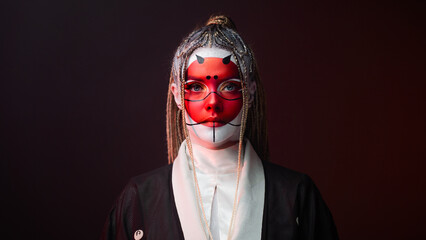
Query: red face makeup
{"type": "Point", "coordinates": [213, 92]}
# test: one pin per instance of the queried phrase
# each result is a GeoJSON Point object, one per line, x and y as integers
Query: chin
{"type": "Point", "coordinates": [218, 137]}
{"type": "Point", "coordinates": [215, 137]}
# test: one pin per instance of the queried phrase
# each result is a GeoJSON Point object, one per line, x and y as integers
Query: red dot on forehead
{"type": "Point", "coordinates": [212, 66]}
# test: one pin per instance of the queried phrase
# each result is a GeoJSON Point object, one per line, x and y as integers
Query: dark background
{"type": "Point", "coordinates": [83, 94]}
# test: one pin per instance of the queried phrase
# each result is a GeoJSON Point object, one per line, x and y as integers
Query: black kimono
{"type": "Point", "coordinates": [293, 208]}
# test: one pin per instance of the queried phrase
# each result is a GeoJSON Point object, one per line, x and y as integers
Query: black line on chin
{"type": "Point", "coordinates": [214, 137]}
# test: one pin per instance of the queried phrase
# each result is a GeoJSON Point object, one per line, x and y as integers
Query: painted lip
{"type": "Point", "coordinates": [213, 122]}
{"type": "Point", "coordinates": [210, 122]}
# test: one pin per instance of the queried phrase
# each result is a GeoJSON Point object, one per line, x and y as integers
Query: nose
{"type": "Point", "coordinates": [213, 103]}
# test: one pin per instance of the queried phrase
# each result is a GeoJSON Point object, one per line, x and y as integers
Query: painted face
{"type": "Point", "coordinates": [213, 96]}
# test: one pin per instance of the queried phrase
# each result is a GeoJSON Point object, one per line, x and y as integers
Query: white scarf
{"type": "Point", "coordinates": [251, 195]}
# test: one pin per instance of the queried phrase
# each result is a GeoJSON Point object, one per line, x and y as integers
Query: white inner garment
{"type": "Point", "coordinates": [217, 175]}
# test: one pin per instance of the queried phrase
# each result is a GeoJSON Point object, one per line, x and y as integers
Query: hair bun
{"type": "Point", "coordinates": [221, 20]}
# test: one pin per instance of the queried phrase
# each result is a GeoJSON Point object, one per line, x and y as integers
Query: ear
{"type": "Point", "coordinates": [252, 90]}
{"type": "Point", "coordinates": [176, 93]}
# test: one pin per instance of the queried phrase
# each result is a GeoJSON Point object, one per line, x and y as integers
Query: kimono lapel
{"type": "Point", "coordinates": [185, 200]}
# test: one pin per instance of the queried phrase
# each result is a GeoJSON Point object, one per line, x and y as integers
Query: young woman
{"type": "Point", "coordinates": [219, 184]}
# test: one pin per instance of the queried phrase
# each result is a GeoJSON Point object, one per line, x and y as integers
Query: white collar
{"type": "Point", "coordinates": [251, 195]}
{"type": "Point", "coordinates": [210, 161]}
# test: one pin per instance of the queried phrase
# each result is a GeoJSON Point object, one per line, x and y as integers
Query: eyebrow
{"type": "Point", "coordinates": [234, 79]}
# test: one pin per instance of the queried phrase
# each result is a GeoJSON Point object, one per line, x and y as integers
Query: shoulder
{"type": "Point", "coordinates": [157, 175]}
{"type": "Point", "coordinates": [289, 191]}
{"type": "Point", "coordinates": [282, 180]}
{"type": "Point", "coordinates": [144, 203]}
{"type": "Point", "coordinates": [143, 189]}
{"type": "Point", "coordinates": [280, 174]}
{"type": "Point", "coordinates": [151, 183]}
{"type": "Point", "coordinates": [152, 179]}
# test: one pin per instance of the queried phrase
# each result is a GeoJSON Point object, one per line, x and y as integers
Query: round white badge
{"type": "Point", "coordinates": [138, 234]}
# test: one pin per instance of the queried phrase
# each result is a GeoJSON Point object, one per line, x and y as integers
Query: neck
{"type": "Point", "coordinates": [215, 161]}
